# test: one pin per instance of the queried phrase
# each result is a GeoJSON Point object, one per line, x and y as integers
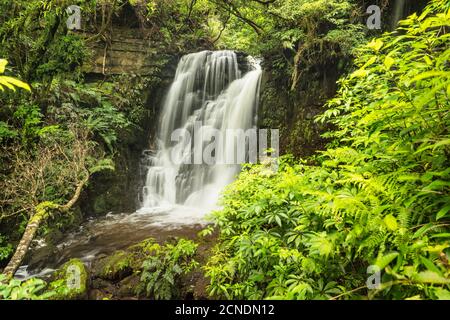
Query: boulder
{"type": "Point", "coordinates": [70, 282]}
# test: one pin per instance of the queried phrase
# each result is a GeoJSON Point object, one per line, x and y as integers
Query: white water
{"type": "Point", "coordinates": [210, 88]}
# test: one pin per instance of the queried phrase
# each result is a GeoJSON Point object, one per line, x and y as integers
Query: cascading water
{"type": "Point", "coordinates": [209, 89]}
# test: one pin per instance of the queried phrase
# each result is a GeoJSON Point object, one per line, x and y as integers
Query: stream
{"type": "Point", "coordinates": [211, 92]}
{"type": "Point", "coordinates": [99, 237]}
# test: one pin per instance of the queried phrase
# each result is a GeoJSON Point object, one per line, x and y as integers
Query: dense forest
{"type": "Point", "coordinates": [359, 204]}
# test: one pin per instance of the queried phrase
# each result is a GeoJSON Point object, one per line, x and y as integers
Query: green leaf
{"type": "Point", "coordinates": [3, 64]}
{"type": "Point", "coordinates": [103, 165]}
{"type": "Point", "coordinates": [388, 62]}
{"type": "Point", "coordinates": [391, 222]}
{"type": "Point", "coordinates": [430, 265]}
{"type": "Point", "coordinates": [443, 212]}
{"type": "Point", "coordinates": [442, 294]}
{"type": "Point", "coordinates": [429, 74]}
{"type": "Point", "coordinates": [360, 73]}
{"type": "Point", "coordinates": [376, 44]}
{"type": "Point", "coordinates": [11, 82]}
{"type": "Point", "coordinates": [383, 261]}
{"type": "Point", "coordinates": [423, 230]}
{"type": "Point", "coordinates": [416, 297]}
{"type": "Point", "coordinates": [430, 277]}
{"type": "Point", "coordinates": [441, 235]}
{"type": "Point", "coordinates": [278, 220]}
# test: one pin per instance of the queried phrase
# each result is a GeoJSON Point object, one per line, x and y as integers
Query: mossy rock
{"type": "Point", "coordinates": [115, 267]}
{"type": "Point", "coordinates": [124, 263]}
{"type": "Point", "coordinates": [127, 287]}
{"type": "Point", "coordinates": [70, 281]}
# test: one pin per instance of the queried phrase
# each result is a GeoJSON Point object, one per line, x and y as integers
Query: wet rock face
{"type": "Point", "coordinates": [293, 112]}
{"type": "Point", "coordinates": [128, 52]}
{"type": "Point", "coordinates": [117, 191]}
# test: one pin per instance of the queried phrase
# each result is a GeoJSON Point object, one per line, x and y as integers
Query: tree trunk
{"type": "Point", "coordinates": [23, 246]}
{"type": "Point", "coordinates": [42, 212]}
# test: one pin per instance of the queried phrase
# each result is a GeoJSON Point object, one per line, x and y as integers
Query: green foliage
{"type": "Point", "coordinates": [6, 249]}
{"type": "Point", "coordinates": [105, 121]}
{"type": "Point", "coordinates": [130, 94]}
{"type": "Point", "coordinates": [162, 270]}
{"type": "Point", "coordinates": [177, 23]}
{"type": "Point", "coordinates": [28, 119]}
{"type": "Point", "coordinates": [7, 132]}
{"type": "Point", "coordinates": [322, 28]}
{"type": "Point", "coordinates": [91, 106]}
{"type": "Point", "coordinates": [65, 56]}
{"type": "Point", "coordinates": [116, 266]}
{"type": "Point", "coordinates": [61, 132]}
{"type": "Point", "coordinates": [38, 289]}
{"type": "Point", "coordinates": [32, 289]}
{"type": "Point", "coordinates": [379, 195]}
{"type": "Point", "coordinates": [34, 37]}
{"type": "Point", "coordinates": [9, 82]}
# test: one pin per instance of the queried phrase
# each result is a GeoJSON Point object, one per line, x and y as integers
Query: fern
{"type": "Point", "coordinates": [378, 195]}
{"type": "Point", "coordinates": [161, 272]}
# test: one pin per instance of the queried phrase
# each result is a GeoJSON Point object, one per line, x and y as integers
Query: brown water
{"type": "Point", "coordinates": [98, 237]}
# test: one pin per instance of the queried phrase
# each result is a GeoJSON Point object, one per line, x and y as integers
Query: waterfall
{"type": "Point", "coordinates": [209, 91]}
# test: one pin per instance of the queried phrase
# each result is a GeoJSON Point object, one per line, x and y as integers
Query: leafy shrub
{"type": "Point", "coordinates": [91, 106]}
{"type": "Point", "coordinates": [32, 289]}
{"type": "Point", "coordinates": [378, 196]}
{"type": "Point", "coordinates": [6, 249]}
{"type": "Point", "coordinates": [64, 56]}
{"type": "Point", "coordinates": [163, 269]}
